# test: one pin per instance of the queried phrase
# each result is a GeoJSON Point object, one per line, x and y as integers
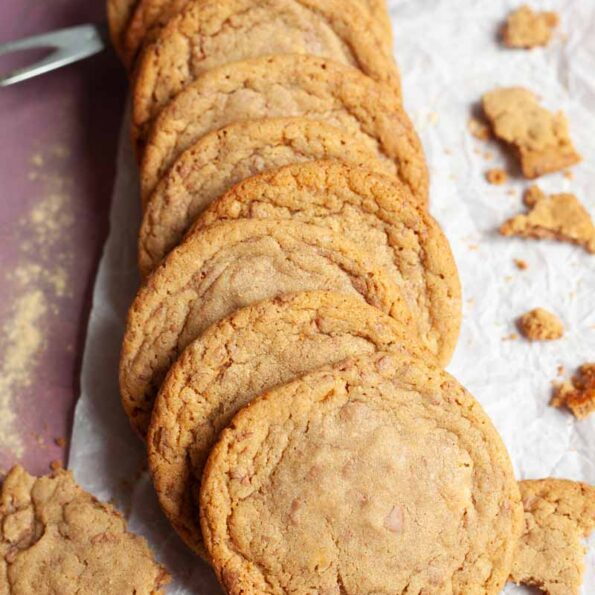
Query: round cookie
{"type": "Point", "coordinates": [151, 16]}
{"type": "Point", "coordinates": [283, 86]}
{"type": "Point", "coordinates": [235, 360]}
{"type": "Point", "coordinates": [228, 266]}
{"type": "Point", "coordinates": [374, 212]}
{"type": "Point", "coordinates": [378, 475]}
{"type": "Point", "coordinates": [212, 33]}
{"type": "Point", "coordinates": [225, 157]}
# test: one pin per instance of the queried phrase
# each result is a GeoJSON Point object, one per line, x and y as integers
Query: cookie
{"type": "Point", "coordinates": [378, 475]}
{"type": "Point", "coordinates": [377, 214]}
{"type": "Point", "coordinates": [282, 86]}
{"type": "Point", "coordinates": [540, 325]}
{"type": "Point", "coordinates": [119, 14]}
{"type": "Point", "coordinates": [525, 28]}
{"type": "Point", "coordinates": [228, 266]}
{"type": "Point", "coordinates": [559, 217]}
{"type": "Point", "coordinates": [151, 16]}
{"type": "Point", "coordinates": [558, 514]}
{"type": "Point", "coordinates": [236, 359]}
{"type": "Point", "coordinates": [225, 157]}
{"type": "Point", "coordinates": [56, 538]}
{"type": "Point", "coordinates": [540, 138]}
{"type": "Point", "coordinates": [212, 33]}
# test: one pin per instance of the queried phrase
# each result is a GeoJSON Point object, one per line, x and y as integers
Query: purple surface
{"type": "Point", "coordinates": [57, 142]}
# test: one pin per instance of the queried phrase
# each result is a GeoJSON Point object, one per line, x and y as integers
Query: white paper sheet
{"type": "Point", "coordinates": [448, 54]}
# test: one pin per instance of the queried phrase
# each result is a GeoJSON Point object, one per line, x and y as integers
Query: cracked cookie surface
{"type": "Point", "coordinates": [225, 267]}
{"type": "Point", "coordinates": [558, 514]}
{"type": "Point", "coordinates": [213, 33]}
{"type": "Point", "coordinates": [56, 538]}
{"type": "Point", "coordinates": [285, 86]}
{"type": "Point", "coordinates": [377, 475]}
{"type": "Point", "coordinates": [235, 360]}
{"type": "Point", "coordinates": [225, 157]}
{"type": "Point", "coordinates": [151, 16]}
{"type": "Point", "coordinates": [377, 214]}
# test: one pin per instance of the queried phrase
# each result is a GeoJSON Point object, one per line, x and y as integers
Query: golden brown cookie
{"type": "Point", "coordinates": [56, 538]}
{"type": "Point", "coordinates": [540, 325]}
{"type": "Point", "coordinates": [559, 217]}
{"type": "Point", "coordinates": [558, 514]}
{"type": "Point", "coordinates": [227, 156]}
{"type": "Point", "coordinates": [525, 28]}
{"type": "Point", "coordinates": [151, 16]}
{"type": "Point", "coordinates": [236, 359]}
{"type": "Point", "coordinates": [377, 214]}
{"type": "Point", "coordinates": [213, 33]}
{"type": "Point", "coordinates": [378, 475]}
{"type": "Point", "coordinates": [228, 266]}
{"type": "Point", "coordinates": [540, 137]}
{"type": "Point", "coordinates": [119, 14]}
{"type": "Point", "coordinates": [282, 86]}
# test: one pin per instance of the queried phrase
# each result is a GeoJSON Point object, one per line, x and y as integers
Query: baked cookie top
{"type": "Point", "coordinates": [225, 157]}
{"type": "Point", "coordinates": [56, 538]}
{"type": "Point", "coordinates": [558, 514]}
{"type": "Point", "coordinates": [236, 359]}
{"type": "Point", "coordinates": [376, 213]}
{"type": "Point", "coordinates": [151, 16]}
{"type": "Point", "coordinates": [212, 33]}
{"type": "Point", "coordinates": [282, 86]}
{"type": "Point", "coordinates": [228, 266]}
{"type": "Point", "coordinates": [378, 475]}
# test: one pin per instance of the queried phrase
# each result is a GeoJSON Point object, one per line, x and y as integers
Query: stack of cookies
{"type": "Point", "coordinates": [283, 357]}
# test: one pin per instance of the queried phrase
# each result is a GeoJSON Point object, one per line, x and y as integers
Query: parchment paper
{"type": "Point", "coordinates": [448, 54]}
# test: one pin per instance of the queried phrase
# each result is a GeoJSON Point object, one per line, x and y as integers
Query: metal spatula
{"type": "Point", "coordinates": [69, 45]}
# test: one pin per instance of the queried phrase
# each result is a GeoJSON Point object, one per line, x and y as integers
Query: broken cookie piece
{"type": "Point", "coordinates": [577, 394]}
{"type": "Point", "coordinates": [525, 28]}
{"type": "Point", "coordinates": [56, 538]}
{"type": "Point", "coordinates": [559, 217]}
{"type": "Point", "coordinates": [540, 137]}
{"type": "Point", "coordinates": [558, 514]}
{"type": "Point", "coordinates": [540, 325]}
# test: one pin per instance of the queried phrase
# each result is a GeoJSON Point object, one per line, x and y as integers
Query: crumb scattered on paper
{"type": "Point", "coordinates": [559, 217]}
{"type": "Point", "coordinates": [578, 393]}
{"type": "Point", "coordinates": [526, 28]}
{"type": "Point", "coordinates": [540, 325]}
{"type": "Point", "coordinates": [540, 137]}
{"type": "Point", "coordinates": [478, 129]}
{"type": "Point", "coordinates": [521, 264]}
{"type": "Point", "coordinates": [496, 176]}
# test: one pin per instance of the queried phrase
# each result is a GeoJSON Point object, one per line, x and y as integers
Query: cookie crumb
{"type": "Point", "coordinates": [559, 217]}
{"type": "Point", "coordinates": [496, 176]}
{"type": "Point", "coordinates": [540, 325]}
{"type": "Point", "coordinates": [55, 465]}
{"type": "Point", "coordinates": [510, 337]}
{"type": "Point", "coordinates": [521, 264]}
{"type": "Point", "coordinates": [526, 29]}
{"type": "Point", "coordinates": [478, 129]}
{"type": "Point", "coordinates": [61, 442]}
{"type": "Point", "coordinates": [560, 370]}
{"type": "Point", "coordinates": [540, 137]}
{"type": "Point", "coordinates": [578, 393]}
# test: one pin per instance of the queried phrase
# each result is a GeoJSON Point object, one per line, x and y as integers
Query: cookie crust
{"type": "Point", "coordinates": [377, 214]}
{"type": "Point", "coordinates": [238, 358]}
{"type": "Point", "coordinates": [443, 514]}
{"type": "Point", "coordinates": [228, 266]}
{"type": "Point", "coordinates": [56, 538]}
{"type": "Point", "coordinates": [226, 157]}
{"type": "Point", "coordinates": [284, 86]}
{"type": "Point", "coordinates": [212, 33]}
